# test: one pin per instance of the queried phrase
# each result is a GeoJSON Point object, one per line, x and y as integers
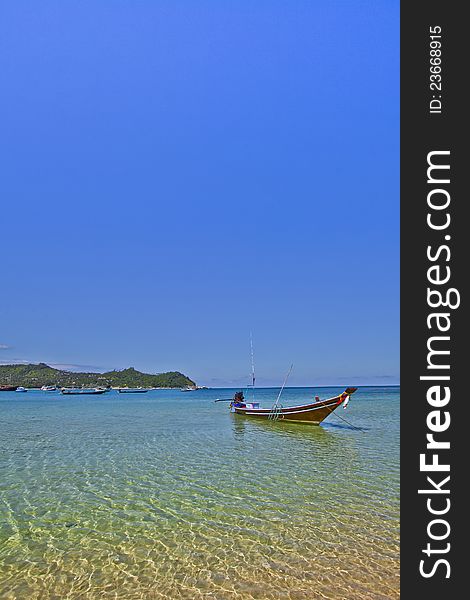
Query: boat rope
{"type": "Point", "coordinates": [276, 408]}
{"type": "Point", "coordinates": [343, 419]}
{"type": "Point", "coordinates": [275, 412]}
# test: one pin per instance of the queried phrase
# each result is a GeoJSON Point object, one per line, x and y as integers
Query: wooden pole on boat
{"type": "Point", "coordinates": [273, 414]}
{"type": "Point", "coordinates": [253, 378]}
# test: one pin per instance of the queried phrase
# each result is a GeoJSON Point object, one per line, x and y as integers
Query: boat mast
{"type": "Point", "coordinates": [253, 378]}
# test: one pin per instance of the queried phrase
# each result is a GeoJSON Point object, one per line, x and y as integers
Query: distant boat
{"type": "Point", "coordinates": [21, 389]}
{"type": "Point", "coordinates": [132, 390]}
{"type": "Point", "coordinates": [81, 391]}
{"type": "Point", "coordinates": [49, 388]}
{"type": "Point", "coordinates": [189, 389]}
{"type": "Point", "coordinates": [313, 413]}
{"type": "Point", "coordinates": [8, 388]}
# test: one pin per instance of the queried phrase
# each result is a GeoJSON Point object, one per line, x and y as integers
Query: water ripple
{"type": "Point", "coordinates": [171, 497]}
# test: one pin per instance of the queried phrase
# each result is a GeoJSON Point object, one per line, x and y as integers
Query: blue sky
{"type": "Point", "coordinates": [178, 173]}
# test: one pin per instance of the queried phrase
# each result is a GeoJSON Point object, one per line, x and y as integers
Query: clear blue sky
{"type": "Point", "coordinates": [177, 173]}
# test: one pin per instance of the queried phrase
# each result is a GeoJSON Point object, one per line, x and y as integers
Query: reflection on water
{"type": "Point", "coordinates": [171, 496]}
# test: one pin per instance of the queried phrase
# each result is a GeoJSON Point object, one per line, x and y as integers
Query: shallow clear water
{"type": "Point", "coordinates": [168, 495]}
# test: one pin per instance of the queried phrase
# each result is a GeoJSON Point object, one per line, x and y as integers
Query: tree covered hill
{"type": "Point", "coordinates": [37, 375]}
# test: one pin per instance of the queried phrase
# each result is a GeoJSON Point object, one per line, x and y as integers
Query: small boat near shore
{"type": "Point", "coordinates": [193, 388]}
{"type": "Point", "coordinates": [132, 390]}
{"type": "Point", "coordinates": [8, 388]}
{"type": "Point", "coordinates": [313, 413]}
{"type": "Point", "coordinates": [81, 391]}
{"type": "Point", "coordinates": [21, 389]}
{"type": "Point", "coordinates": [49, 388]}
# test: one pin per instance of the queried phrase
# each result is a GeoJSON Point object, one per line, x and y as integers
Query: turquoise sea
{"type": "Point", "coordinates": [168, 495]}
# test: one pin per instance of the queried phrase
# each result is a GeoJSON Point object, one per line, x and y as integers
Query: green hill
{"type": "Point", "coordinates": [33, 375]}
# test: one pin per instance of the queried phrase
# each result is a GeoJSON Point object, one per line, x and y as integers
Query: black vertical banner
{"type": "Point", "coordinates": [434, 252]}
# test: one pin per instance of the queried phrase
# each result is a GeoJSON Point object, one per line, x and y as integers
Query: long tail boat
{"type": "Point", "coordinates": [81, 391]}
{"type": "Point", "coordinates": [313, 413]}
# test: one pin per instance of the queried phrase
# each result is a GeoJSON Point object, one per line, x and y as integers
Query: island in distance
{"type": "Point", "coordinates": [38, 375]}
